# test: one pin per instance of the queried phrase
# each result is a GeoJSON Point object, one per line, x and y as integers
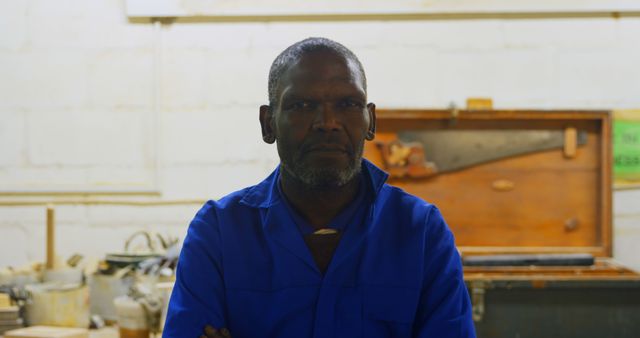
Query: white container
{"type": "Point", "coordinates": [63, 276]}
{"type": "Point", "coordinates": [103, 290]}
{"type": "Point", "coordinates": [132, 318]}
{"type": "Point", "coordinates": [58, 305]}
{"type": "Point", "coordinates": [18, 278]}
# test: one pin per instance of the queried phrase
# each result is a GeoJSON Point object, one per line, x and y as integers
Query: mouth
{"type": "Point", "coordinates": [327, 149]}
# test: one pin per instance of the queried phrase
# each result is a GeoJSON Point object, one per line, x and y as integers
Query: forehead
{"type": "Point", "coordinates": [318, 68]}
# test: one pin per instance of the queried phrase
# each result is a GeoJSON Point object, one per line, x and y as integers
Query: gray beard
{"type": "Point", "coordinates": [322, 178]}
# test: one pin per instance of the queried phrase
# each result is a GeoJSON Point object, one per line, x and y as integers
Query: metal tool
{"type": "Point", "coordinates": [456, 149]}
{"type": "Point", "coordinates": [578, 259]}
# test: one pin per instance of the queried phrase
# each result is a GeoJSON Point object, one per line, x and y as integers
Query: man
{"type": "Point", "coordinates": [322, 247]}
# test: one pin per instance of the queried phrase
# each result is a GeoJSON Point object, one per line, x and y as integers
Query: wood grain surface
{"type": "Point", "coordinates": [537, 202]}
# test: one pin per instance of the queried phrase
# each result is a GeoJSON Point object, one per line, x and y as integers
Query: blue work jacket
{"type": "Point", "coordinates": [245, 266]}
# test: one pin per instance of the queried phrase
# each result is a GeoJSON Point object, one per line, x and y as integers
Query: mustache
{"type": "Point", "coordinates": [326, 144]}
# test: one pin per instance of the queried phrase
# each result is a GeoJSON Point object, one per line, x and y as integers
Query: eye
{"type": "Point", "coordinates": [351, 104]}
{"type": "Point", "coordinates": [302, 105]}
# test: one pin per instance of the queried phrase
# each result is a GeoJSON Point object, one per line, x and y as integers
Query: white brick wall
{"type": "Point", "coordinates": [51, 79]}
{"type": "Point", "coordinates": [185, 86]}
{"type": "Point", "coordinates": [516, 77]}
{"type": "Point", "coordinates": [12, 139]}
{"type": "Point", "coordinates": [76, 99]}
{"type": "Point", "coordinates": [218, 137]}
{"type": "Point", "coordinates": [237, 78]}
{"type": "Point", "coordinates": [13, 18]}
{"type": "Point", "coordinates": [87, 138]}
{"type": "Point", "coordinates": [32, 177]}
{"type": "Point", "coordinates": [401, 76]}
{"type": "Point", "coordinates": [15, 245]}
{"type": "Point", "coordinates": [202, 37]}
{"type": "Point", "coordinates": [121, 78]}
{"type": "Point", "coordinates": [108, 28]}
{"type": "Point", "coordinates": [597, 78]}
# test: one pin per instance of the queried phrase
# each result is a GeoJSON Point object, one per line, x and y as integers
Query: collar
{"type": "Point", "coordinates": [340, 221]}
{"type": "Point", "coordinates": [265, 194]}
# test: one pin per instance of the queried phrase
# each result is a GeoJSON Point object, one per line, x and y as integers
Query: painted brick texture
{"type": "Point", "coordinates": [77, 102]}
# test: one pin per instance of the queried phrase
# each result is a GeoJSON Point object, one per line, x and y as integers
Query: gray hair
{"type": "Point", "coordinates": [294, 52]}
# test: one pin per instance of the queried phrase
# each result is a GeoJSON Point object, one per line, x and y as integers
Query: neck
{"type": "Point", "coordinates": [318, 206]}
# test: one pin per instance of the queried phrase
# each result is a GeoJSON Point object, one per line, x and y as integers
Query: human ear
{"type": "Point", "coordinates": [371, 132]}
{"type": "Point", "coordinates": [268, 135]}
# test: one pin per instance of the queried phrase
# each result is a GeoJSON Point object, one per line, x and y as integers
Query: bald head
{"type": "Point", "coordinates": [292, 55]}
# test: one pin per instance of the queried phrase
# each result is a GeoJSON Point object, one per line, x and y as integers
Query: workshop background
{"type": "Point", "coordinates": [130, 123]}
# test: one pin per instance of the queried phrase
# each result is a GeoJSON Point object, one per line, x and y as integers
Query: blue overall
{"type": "Point", "coordinates": [245, 266]}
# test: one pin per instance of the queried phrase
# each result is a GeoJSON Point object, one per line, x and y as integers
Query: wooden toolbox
{"type": "Point", "coordinates": [521, 183]}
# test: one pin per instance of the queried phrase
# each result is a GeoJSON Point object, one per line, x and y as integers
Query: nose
{"type": "Point", "coordinates": [327, 119]}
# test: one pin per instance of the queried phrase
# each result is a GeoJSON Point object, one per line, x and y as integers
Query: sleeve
{"type": "Point", "coordinates": [444, 306]}
{"type": "Point", "coordinates": [197, 298]}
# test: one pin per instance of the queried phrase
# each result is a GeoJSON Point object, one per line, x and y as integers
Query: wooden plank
{"type": "Point", "coordinates": [255, 9]}
{"type": "Point", "coordinates": [486, 250]}
{"type": "Point", "coordinates": [604, 269]}
{"type": "Point", "coordinates": [47, 332]}
{"type": "Point", "coordinates": [435, 114]}
{"type": "Point", "coordinates": [606, 186]}
{"type": "Point", "coordinates": [51, 233]}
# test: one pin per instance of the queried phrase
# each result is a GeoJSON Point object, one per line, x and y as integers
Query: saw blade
{"type": "Point", "coordinates": [457, 149]}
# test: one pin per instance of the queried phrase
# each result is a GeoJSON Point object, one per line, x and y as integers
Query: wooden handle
{"type": "Point", "coordinates": [503, 185]}
{"type": "Point", "coordinates": [50, 237]}
{"type": "Point", "coordinates": [570, 142]}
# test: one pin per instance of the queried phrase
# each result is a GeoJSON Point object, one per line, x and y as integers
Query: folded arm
{"type": "Point", "coordinates": [198, 297]}
{"type": "Point", "coordinates": [444, 309]}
